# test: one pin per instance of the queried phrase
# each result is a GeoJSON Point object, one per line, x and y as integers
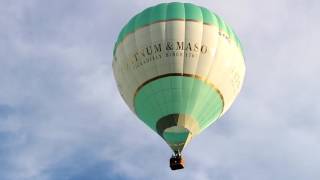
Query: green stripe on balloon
{"type": "Point", "coordinates": [163, 96]}
{"type": "Point", "coordinates": [171, 11]}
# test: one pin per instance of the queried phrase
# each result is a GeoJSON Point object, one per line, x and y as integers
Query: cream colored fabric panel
{"type": "Point", "coordinates": [135, 73]}
{"type": "Point", "coordinates": [211, 38]}
{"type": "Point", "coordinates": [236, 77]}
{"type": "Point", "coordinates": [124, 73]}
{"type": "Point", "coordinates": [219, 72]}
{"type": "Point", "coordinates": [121, 73]}
{"type": "Point", "coordinates": [175, 34]}
{"type": "Point", "coordinates": [192, 45]}
{"type": "Point", "coordinates": [119, 77]}
{"type": "Point", "coordinates": [145, 54]}
{"type": "Point", "coordinates": [158, 35]}
{"type": "Point", "coordinates": [225, 65]}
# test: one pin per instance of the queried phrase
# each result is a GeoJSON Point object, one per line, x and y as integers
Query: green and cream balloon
{"type": "Point", "coordinates": [178, 67]}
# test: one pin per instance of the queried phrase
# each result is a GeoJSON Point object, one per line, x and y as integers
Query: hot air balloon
{"type": "Point", "coordinates": [178, 67]}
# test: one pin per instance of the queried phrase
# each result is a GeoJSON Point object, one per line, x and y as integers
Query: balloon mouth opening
{"type": "Point", "coordinates": [177, 137]}
{"type": "Point", "coordinates": [176, 130]}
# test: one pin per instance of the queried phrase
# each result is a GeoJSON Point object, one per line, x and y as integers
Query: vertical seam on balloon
{"type": "Point", "coordinates": [231, 58]}
{"type": "Point", "coordinates": [133, 74]}
{"type": "Point", "coordinates": [219, 41]}
{"type": "Point", "coordinates": [124, 77]}
{"type": "Point", "coordinates": [196, 68]}
{"type": "Point", "coordinates": [212, 62]}
{"type": "Point", "coordinates": [183, 63]}
{"type": "Point", "coordinates": [224, 70]}
{"type": "Point", "coordinates": [122, 90]}
{"type": "Point", "coordinates": [206, 77]}
{"type": "Point", "coordinates": [116, 76]}
{"type": "Point", "coordinates": [170, 65]}
{"type": "Point", "coordinates": [156, 102]}
{"type": "Point", "coordinates": [129, 81]}
{"type": "Point", "coordinates": [164, 38]}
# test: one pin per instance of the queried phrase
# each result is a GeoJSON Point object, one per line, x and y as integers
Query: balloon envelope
{"type": "Point", "coordinates": [178, 67]}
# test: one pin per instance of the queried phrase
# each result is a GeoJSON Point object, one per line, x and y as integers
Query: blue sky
{"type": "Point", "coordinates": [61, 116]}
